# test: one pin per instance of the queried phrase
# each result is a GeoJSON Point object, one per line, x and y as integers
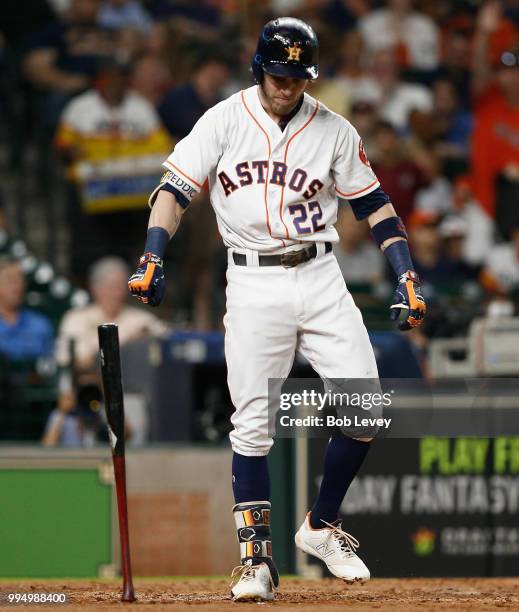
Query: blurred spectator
{"type": "Point", "coordinates": [184, 104]}
{"type": "Point", "coordinates": [113, 143]}
{"type": "Point", "coordinates": [303, 9]}
{"type": "Point", "coordinates": [24, 334]}
{"type": "Point", "coordinates": [457, 32]}
{"type": "Point", "coordinates": [400, 175]}
{"type": "Point", "coordinates": [495, 142]}
{"type": "Point", "coordinates": [396, 98]}
{"type": "Point", "coordinates": [63, 57]}
{"type": "Point", "coordinates": [345, 14]}
{"type": "Point", "coordinates": [479, 227]}
{"type": "Point", "coordinates": [452, 127]}
{"type": "Point", "coordinates": [108, 285]}
{"type": "Point", "coordinates": [77, 421]}
{"type": "Point", "coordinates": [438, 258]}
{"type": "Point", "coordinates": [150, 79]}
{"type": "Point", "coordinates": [151, 76]}
{"type": "Point", "coordinates": [411, 35]}
{"type": "Point", "coordinates": [118, 14]}
{"type": "Point", "coordinates": [350, 82]}
{"type": "Point", "coordinates": [130, 43]}
{"type": "Point", "coordinates": [453, 232]}
{"type": "Point", "coordinates": [364, 118]}
{"type": "Point", "coordinates": [422, 128]}
{"type": "Point", "coordinates": [425, 243]}
{"type": "Point", "coordinates": [77, 348]}
{"type": "Point", "coordinates": [359, 259]}
{"type": "Point", "coordinates": [202, 19]}
{"type": "Point", "coordinates": [494, 35]}
{"type": "Point", "coordinates": [16, 26]}
{"type": "Point", "coordinates": [436, 195]}
{"type": "Point", "coordinates": [502, 265]}
{"type": "Point", "coordinates": [195, 276]}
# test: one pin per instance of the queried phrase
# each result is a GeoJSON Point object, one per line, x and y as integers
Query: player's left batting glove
{"type": "Point", "coordinates": [408, 296]}
{"type": "Point", "coordinates": [148, 284]}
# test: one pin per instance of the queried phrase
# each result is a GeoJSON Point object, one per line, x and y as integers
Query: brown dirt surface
{"type": "Point", "coordinates": [212, 594]}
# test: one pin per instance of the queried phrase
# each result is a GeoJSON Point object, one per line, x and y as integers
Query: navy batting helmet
{"type": "Point", "coordinates": [287, 47]}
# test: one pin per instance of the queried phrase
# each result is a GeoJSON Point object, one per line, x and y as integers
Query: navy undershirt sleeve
{"type": "Point", "coordinates": [180, 197]}
{"type": "Point", "coordinates": [365, 205]}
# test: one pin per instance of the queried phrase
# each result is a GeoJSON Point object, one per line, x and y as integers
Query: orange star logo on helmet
{"type": "Point", "coordinates": [294, 53]}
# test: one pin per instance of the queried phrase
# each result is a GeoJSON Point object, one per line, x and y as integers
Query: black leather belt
{"type": "Point", "coordinates": [287, 260]}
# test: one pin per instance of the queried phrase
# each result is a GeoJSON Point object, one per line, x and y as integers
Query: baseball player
{"type": "Point", "coordinates": [275, 162]}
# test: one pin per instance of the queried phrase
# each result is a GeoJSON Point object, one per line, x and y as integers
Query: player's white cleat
{"type": "Point", "coordinates": [333, 546]}
{"type": "Point", "coordinates": [252, 582]}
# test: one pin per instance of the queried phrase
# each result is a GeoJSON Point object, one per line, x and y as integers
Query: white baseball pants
{"type": "Point", "coordinates": [271, 313]}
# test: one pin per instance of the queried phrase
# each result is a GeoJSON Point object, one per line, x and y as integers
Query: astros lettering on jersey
{"type": "Point", "coordinates": [271, 189]}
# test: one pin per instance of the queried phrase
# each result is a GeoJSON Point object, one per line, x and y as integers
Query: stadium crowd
{"type": "Point", "coordinates": [94, 94]}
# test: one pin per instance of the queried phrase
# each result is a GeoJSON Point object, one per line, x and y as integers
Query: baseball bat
{"type": "Point", "coordinates": [113, 393]}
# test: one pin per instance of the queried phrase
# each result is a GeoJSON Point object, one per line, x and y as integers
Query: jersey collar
{"type": "Point", "coordinates": [276, 130]}
{"type": "Point", "coordinates": [284, 121]}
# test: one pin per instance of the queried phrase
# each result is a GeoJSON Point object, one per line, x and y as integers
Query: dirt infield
{"type": "Point", "coordinates": [296, 594]}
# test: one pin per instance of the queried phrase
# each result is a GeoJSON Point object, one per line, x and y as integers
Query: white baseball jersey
{"type": "Point", "coordinates": [271, 189]}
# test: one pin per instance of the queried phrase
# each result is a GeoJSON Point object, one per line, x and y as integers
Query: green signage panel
{"type": "Point", "coordinates": [54, 523]}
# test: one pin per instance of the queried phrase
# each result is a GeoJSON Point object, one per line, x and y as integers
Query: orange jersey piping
{"type": "Point", "coordinates": [268, 163]}
{"type": "Point", "coordinates": [285, 161]}
{"type": "Point", "coordinates": [347, 195]}
{"type": "Point", "coordinates": [168, 163]}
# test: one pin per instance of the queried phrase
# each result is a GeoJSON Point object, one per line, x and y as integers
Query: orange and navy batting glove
{"type": "Point", "coordinates": [408, 296]}
{"type": "Point", "coordinates": [147, 284]}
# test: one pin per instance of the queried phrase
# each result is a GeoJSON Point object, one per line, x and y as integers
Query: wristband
{"type": "Point", "coordinates": [409, 275]}
{"type": "Point", "coordinates": [150, 258]}
{"type": "Point", "coordinates": [157, 241]}
{"type": "Point", "coordinates": [392, 227]}
{"type": "Point", "coordinates": [399, 257]}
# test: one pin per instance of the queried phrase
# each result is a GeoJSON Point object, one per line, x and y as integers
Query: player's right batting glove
{"type": "Point", "coordinates": [408, 296]}
{"type": "Point", "coordinates": [148, 284]}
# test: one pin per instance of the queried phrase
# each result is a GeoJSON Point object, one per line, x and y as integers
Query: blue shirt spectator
{"type": "Point", "coordinates": [117, 14]}
{"type": "Point", "coordinates": [453, 122]}
{"type": "Point", "coordinates": [180, 109]}
{"type": "Point", "coordinates": [63, 429]}
{"type": "Point", "coordinates": [31, 336]}
{"type": "Point", "coordinates": [23, 334]}
{"type": "Point", "coordinates": [184, 104]}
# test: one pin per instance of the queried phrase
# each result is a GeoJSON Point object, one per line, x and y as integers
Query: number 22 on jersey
{"type": "Point", "coordinates": [300, 213]}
